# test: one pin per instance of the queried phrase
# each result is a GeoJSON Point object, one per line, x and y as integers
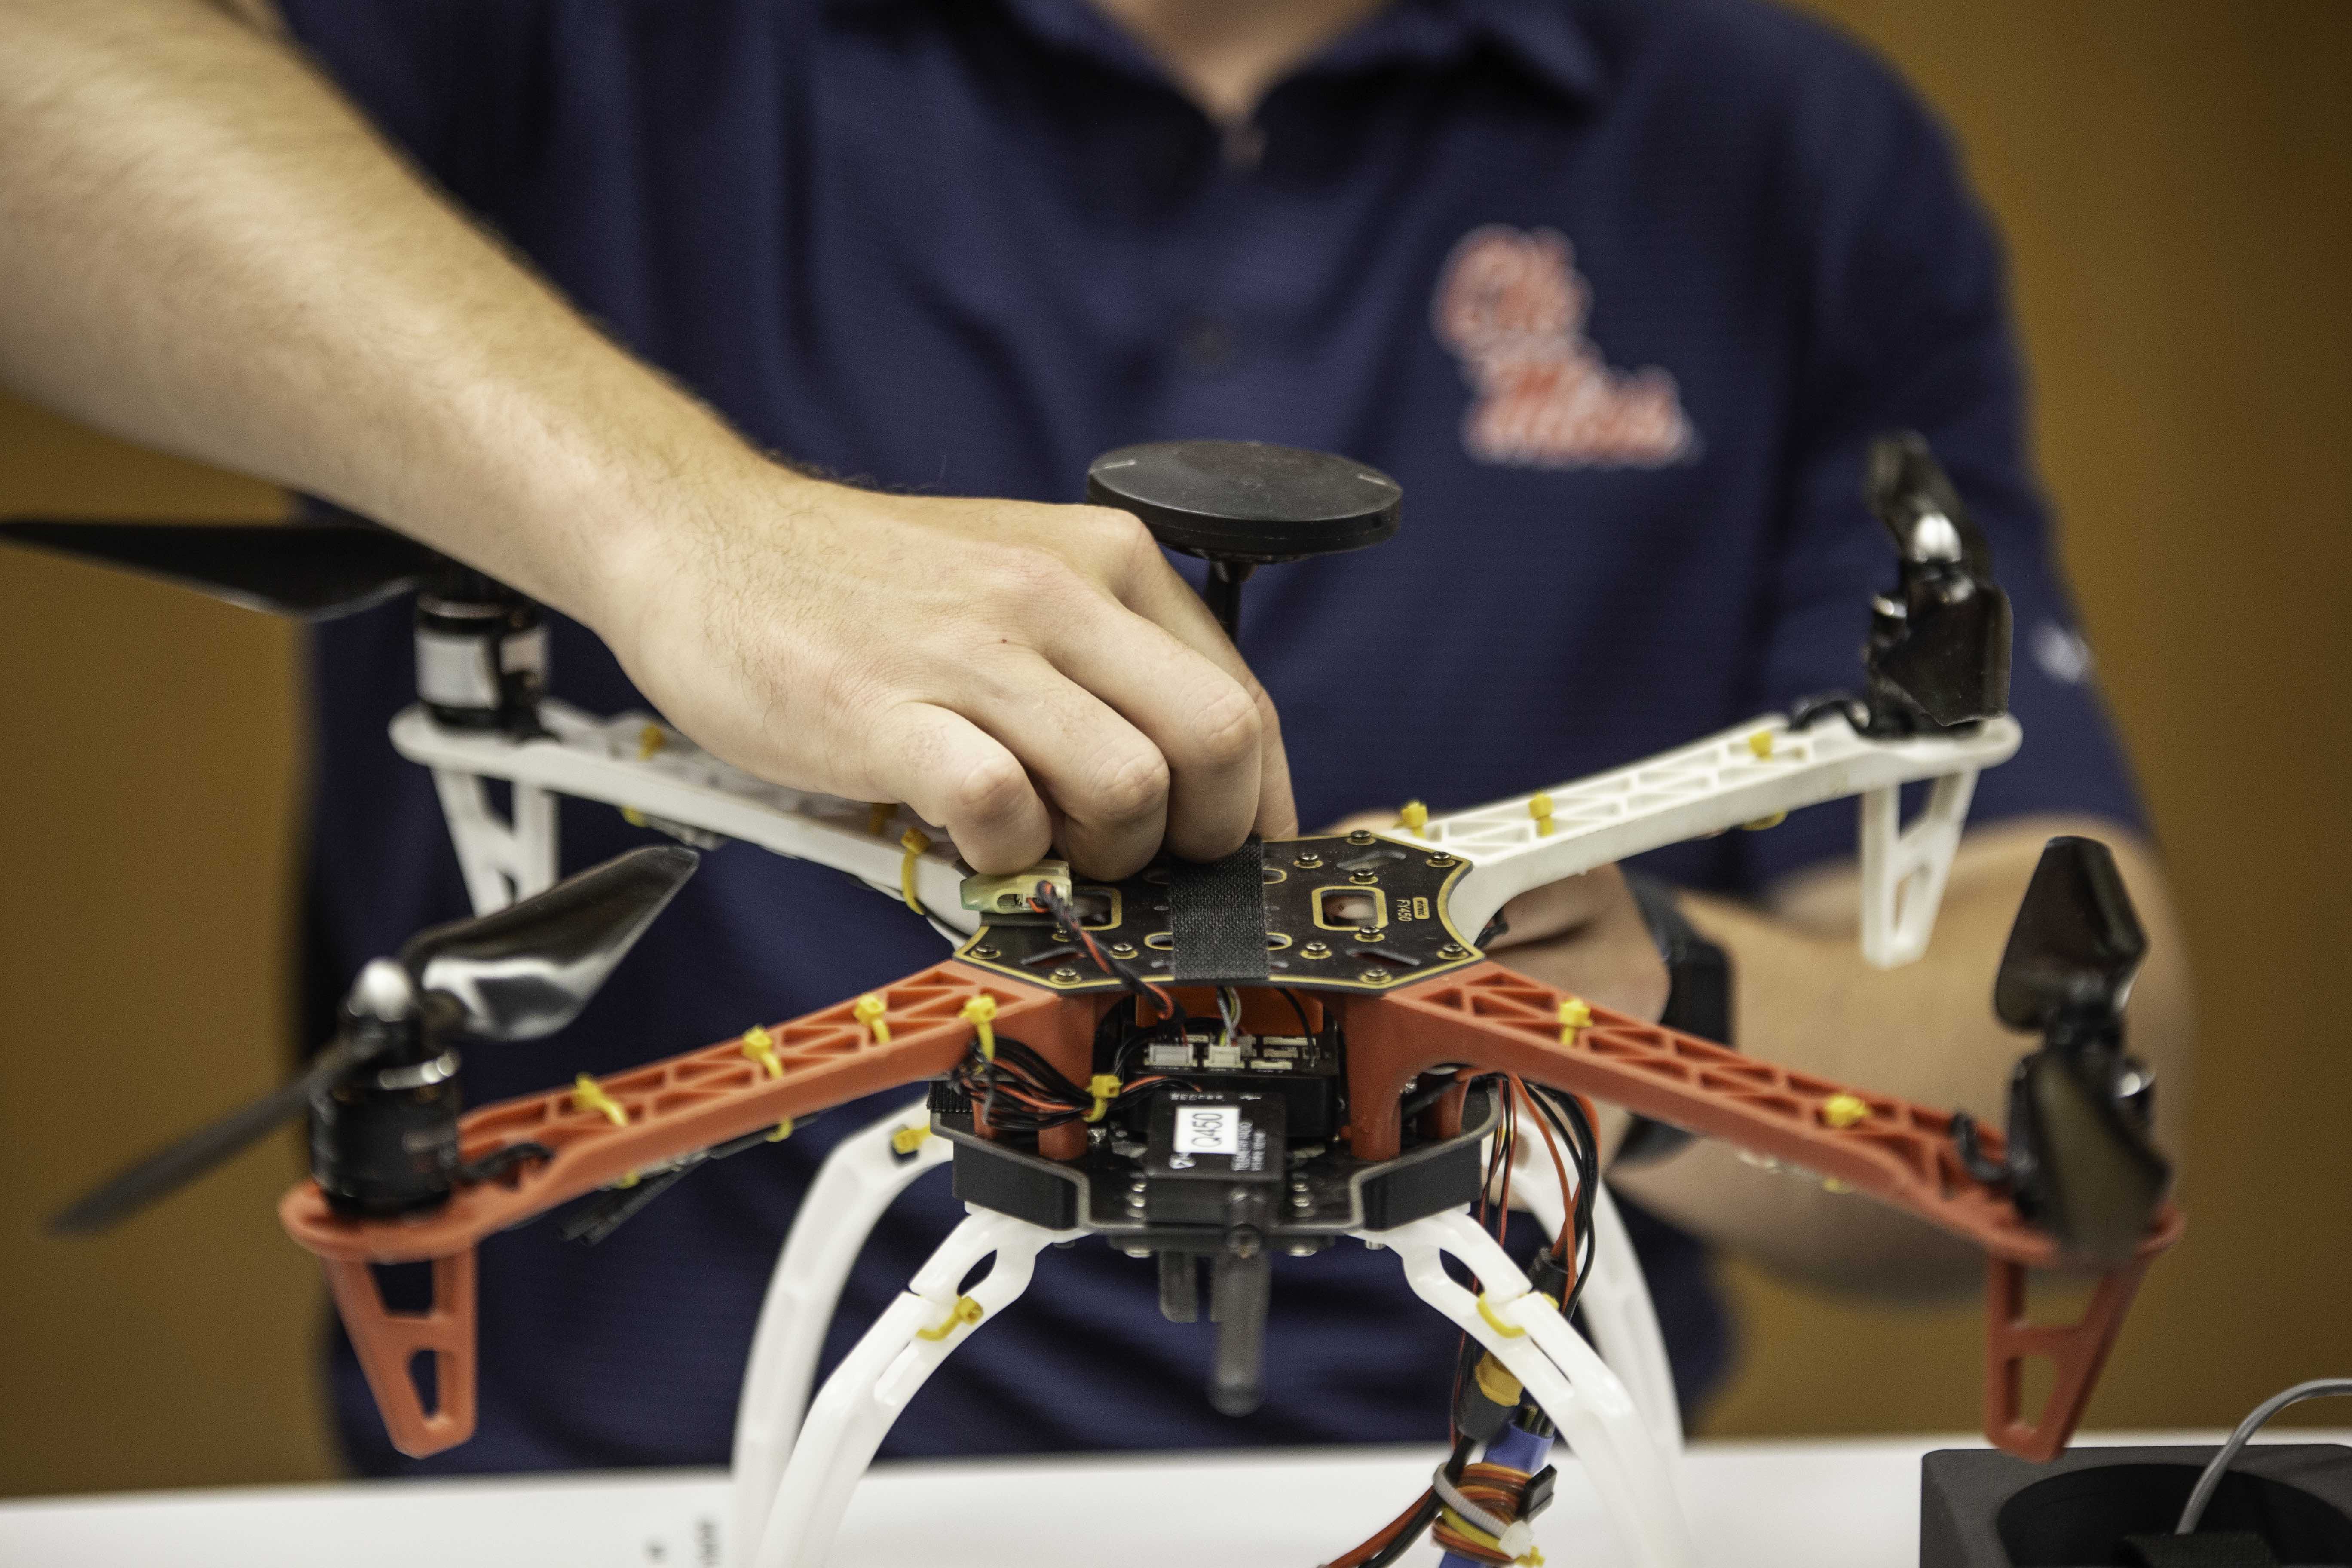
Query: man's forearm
{"type": "Point", "coordinates": [1926, 1031]}
{"type": "Point", "coordinates": [203, 249]}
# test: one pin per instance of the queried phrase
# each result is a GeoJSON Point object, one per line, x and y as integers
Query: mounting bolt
{"type": "Point", "coordinates": [1302, 1249]}
{"type": "Point", "coordinates": [1065, 975]}
{"type": "Point", "coordinates": [1374, 977]}
{"type": "Point", "coordinates": [1301, 1201]}
{"type": "Point", "coordinates": [983, 951]}
{"type": "Point", "coordinates": [1308, 861]}
{"type": "Point", "coordinates": [1361, 835]}
{"type": "Point", "coordinates": [1314, 950]}
{"type": "Point", "coordinates": [1454, 950]}
{"type": "Point", "coordinates": [1137, 1251]}
{"type": "Point", "coordinates": [1440, 861]}
{"type": "Point", "coordinates": [1371, 933]}
{"type": "Point", "coordinates": [1122, 950]}
{"type": "Point", "coordinates": [1363, 877]}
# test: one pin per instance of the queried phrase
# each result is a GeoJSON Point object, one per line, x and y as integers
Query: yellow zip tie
{"type": "Point", "coordinates": [981, 1014]}
{"type": "Point", "coordinates": [587, 1094]}
{"type": "Point", "coordinates": [761, 1047]}
{"type": "Point", "coordinates": [1575, 1013]}
{"type": "Point", "coordinates": [1105, 1088]}
{"type": "Point", "coordinates": [1508, 1330]}
{"type": "Point", "coordinates": [1761, 823]}
{"type": "Point", "coordinates": [1761, 745]}
{"type": "Point", "coordinates": [914, 842]}
{"type": "Point", "coordinates": [1843, 1111]}
{"type": "Point", "coordinates": [908, 1139]}
{"type": "Point", "coordinates": [650, 742]}
{"type": "Point", "coordinates": [1412, 816]}
{"type": "Point", "coordinates": [870, 1009]}
{"type": "Point", "coordinates": [965, 1310]}
{"type": "Point", "coordinates": [1540, 808]}
{"type": "Point", "coordinates": [633, 817]}
{"type": "Point", "coordinates": [879, 815]}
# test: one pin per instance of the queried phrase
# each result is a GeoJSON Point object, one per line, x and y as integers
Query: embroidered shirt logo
{"type": "Point", "coordinates": [1512, 306]}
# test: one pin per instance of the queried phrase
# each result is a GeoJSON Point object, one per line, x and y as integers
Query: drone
{"type": "Point", "coordinates": [1203, 1063]}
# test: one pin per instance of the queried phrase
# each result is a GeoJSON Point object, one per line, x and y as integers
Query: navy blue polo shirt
{"type": "Point", "coordinates": [1617, 290]}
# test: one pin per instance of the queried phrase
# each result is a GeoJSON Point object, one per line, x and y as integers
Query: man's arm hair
{"type": "Point", "coordinates": [204, 248]}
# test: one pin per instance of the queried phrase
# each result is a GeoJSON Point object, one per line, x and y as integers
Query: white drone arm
{"type": "Point", "coordinates": [637, 764]}
{"type": "Point", "coordinates": [1748, 776]}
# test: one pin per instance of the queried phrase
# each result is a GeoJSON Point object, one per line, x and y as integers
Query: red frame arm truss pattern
{"type": "Point", "coordinates": [1486, 1018]}
{"type": "Point", "coordinates": [1494, 1019]}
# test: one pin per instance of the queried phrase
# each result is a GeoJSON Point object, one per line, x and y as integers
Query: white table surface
{"type": "Point", "coordinates": [1851, 1504]}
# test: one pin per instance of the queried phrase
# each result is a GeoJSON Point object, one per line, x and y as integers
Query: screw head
{"type": "Point", "coordinates": [1314, 950]}
{"type": "Point", "coordinates": [1361, 835]}
{"type": "Point", "coordinates": [1065, 975]}
{"type": "Point", "coordinates": [1454, 950]}
{"type": "Point", "coordinates": [1374, 977]}
{"type": "Point", "coordinates": [1361, 877]}
{"type": "Point", "coordinates": [983, 950]}
{"type": "Point", "coordinates": [1308, 861]}
{"type": "Point", "coordinates": [1122, 950]}
{"type": "Point", "coordinates": [1371, 933]}
{"type": "Point", "coordinates": [1440, 861]}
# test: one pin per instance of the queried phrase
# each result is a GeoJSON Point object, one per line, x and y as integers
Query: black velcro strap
{"type": "Point", "coordinates": [1216, 912]}
{"type": "Point", "coordinates": [2206, 1549]}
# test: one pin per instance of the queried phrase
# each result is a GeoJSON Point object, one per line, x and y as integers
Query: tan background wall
{"type": "Point", "coordinates": [2176, 180]}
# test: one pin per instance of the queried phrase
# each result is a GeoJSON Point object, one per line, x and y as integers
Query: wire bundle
{"type": "Point", "coordinates": [1485, 1499]}
{"type": "Point", "coordinates": [1493, 1494]}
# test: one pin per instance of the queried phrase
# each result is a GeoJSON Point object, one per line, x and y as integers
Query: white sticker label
{"type": "Point", "coordinates": [1208, 1130]}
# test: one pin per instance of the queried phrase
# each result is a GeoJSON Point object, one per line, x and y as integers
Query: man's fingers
{"type": "Point", "coordinates": [1104, 778]}
{"type": "Point", "coordinates": [1149, 585]}
{"type": "Point", "coordinates": [952, 772]}
{"type": "Point", "coordinates": [1209, 729]}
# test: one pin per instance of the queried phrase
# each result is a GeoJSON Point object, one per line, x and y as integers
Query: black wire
{"type": "Point", "coordinates": [1298, 1007]}
{"type": "Point", "coordinates": [1567, 1116]}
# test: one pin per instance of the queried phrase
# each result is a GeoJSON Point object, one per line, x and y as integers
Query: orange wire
{"type": "Point", "coordinates": [1567, 1193]}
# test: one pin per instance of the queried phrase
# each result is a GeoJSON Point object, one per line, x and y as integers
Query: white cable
{"type": "Point", "coordinates": [2210, 1481]}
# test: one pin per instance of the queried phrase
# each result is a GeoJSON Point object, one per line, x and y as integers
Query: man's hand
{"type": "Point", "coordinates": [1586, 935]}
{"type": "Point", "coordinates": [1021, 673]}
{"type": "Point", "coordinates": [202, 248]}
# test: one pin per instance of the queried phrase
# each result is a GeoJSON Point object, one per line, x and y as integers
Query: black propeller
{"type": "Point", "coordinates": [388, 1137]}
{"type": "Point", "coordinates": [312, 572]}
{"type": "Point", "coordinates": [2080, 1162]}
{"type": "Point", "coordinates": [1939, 647]}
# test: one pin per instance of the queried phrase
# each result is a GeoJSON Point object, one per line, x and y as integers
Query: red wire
{"type": "Point", "coordinates": [1567, 1193]}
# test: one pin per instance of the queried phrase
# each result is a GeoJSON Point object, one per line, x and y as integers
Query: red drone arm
{"type": "Point", "coordinates": [662, 1111]}
{"type": "Point", "coordinates": [1490, 1018]}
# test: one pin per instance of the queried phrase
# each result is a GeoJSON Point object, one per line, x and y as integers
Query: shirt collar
{"type": "Point", "coordinates": [1544, 38]}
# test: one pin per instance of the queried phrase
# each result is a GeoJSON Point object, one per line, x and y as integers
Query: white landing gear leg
{"type": "Point", "coordinates": [1618, 1311]}
{"type": "Point", "coordinates": [857, 1183]}
{"type": "Point", "coordinates": [867, 1391]}
{"type": "Point", "coordinates": [502, 861]}
{"type": "Point", "coordinates": [1594, 1412]}
{"type": "Point", "coordinates": [1904, 870]}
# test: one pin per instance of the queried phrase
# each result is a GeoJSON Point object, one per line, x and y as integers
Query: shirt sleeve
{"type": "Point", "coordinates": [1910, 328]}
